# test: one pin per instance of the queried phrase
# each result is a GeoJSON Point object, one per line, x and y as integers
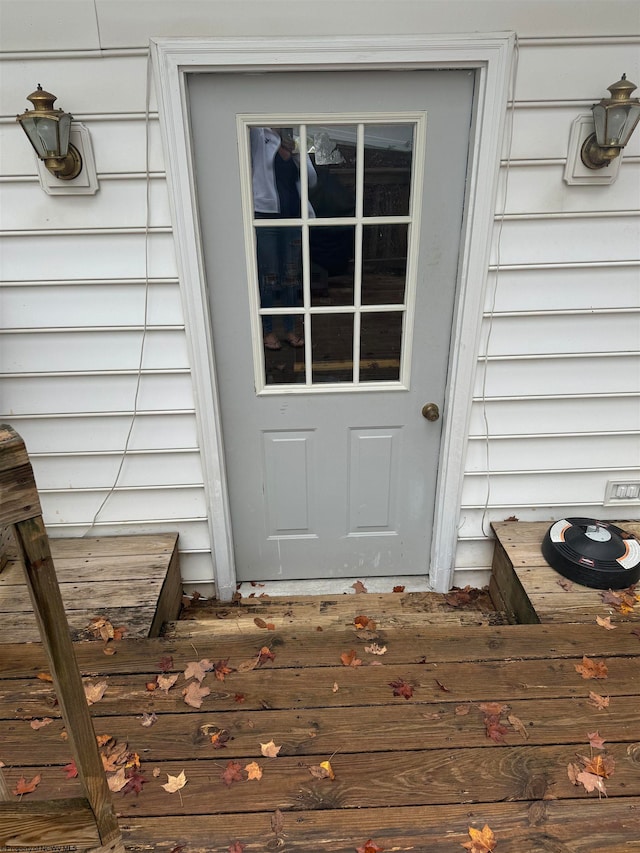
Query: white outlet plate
{"type": "Point", "coordinates": [613, 496]}
{"type": "Point", "coordinates": [575, 172]}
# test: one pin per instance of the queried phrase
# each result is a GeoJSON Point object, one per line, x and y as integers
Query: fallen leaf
{"type": "Point", "coordinates": [148, 719]}
{"type": "Point", "coordinates": [135, 781]}
{"type": "Point", "coordinates": [600, 765]}
{"type": "Point", "coordinates": [277, 823]}
{"type": "Point", "coordinates": [175, 783]}
{"type": "Point", "coordinates": [70, 769]}
{"type": "Point", "coordinates": [269, 750]}
{"type": "Point", "coordinates": [566, 585]}
{"type": "Point", "coordinates": [253, 770]}
{"type": "Point", "coordinates": [262, 624]}
{"type": "Point", "coordinates": [598, 701]}
{"type": "Point", "coordinates": [197, 669]}
{"type": "Point", "coordinates": [375, 649]}
{"type": "Point", "coordinates": [595, 740]}
{"type": "Point", "coordinates": [166, 682]}
{"type": "Point", "coordinates": [221, 669]}
{"type": "Point", "coordinates": [482, 840]}
{"type": "Point", "coordinates": [496, 708]}
{"type": "Point", "coordinates": [232, 773]}
{"type": "Point", "coordinates": [236, 847]}
{"type": "Point", "coordinates": [461, 597]}
{"type": "Point", "coordinates": [152, 685]}
{"type": "Point", "coordinates": [335, 687]}
{"type": "Point", "coordinates": [494, 728]}
{"type": "Point", "coordinates": [369, 847]}
{"type": "Point", "coordinates": [101, 627]}
{"type": "Point", "coordinates": [349, 658]}
{"type": "Point", "coordinates": [401, 688]}
{"type": "Point", "coordinates": [194, 694]}
{"type": "Point", "coordinates": [592, 668]}
{"type": "Point", "coordinates": [462, 710]}
{"type": "Point", "coordinates": [165, 664]}
{"type": "Point", "coordinates": [239, 697]}
{"type": "Point", "coordinates": [441, 686]}
{"type": "Point", "coordinates": [398, 589]}
{"type": "Point", "coordinates": [359, 587]}
{"type": "Point", "coordinates": [592, 782]}
{"type": "Point", "coordinates": [518, 725]}
{"type": "Point", "coordinates": [40, 724]}
{"type": "Point", "coordinates": [44, 676]}
{"type": "Point", "coordinates": [364, 622]}
{"type": "Point", "coordinates": [117, 780]}
{"type": "Point", "coordinates": [265, 654]}
{"type": "Point", "coordinates": [248, 665]}
{"type": "Point", "coordinates": [109, 648]}
{"type": "Point", "coordinates": [156, 772]}
{"type": "Point", "coordinates": [605, 622]}
{"type": "Point", "coordinates": [24, 787]}
{"type": "Point", "coordinates": [94, 692]}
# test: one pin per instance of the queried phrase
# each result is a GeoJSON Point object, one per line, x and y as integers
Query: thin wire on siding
{"type": "Point", "coordinates": [485, 418]}
{"type": "Point", "coordinates": [147, 224]}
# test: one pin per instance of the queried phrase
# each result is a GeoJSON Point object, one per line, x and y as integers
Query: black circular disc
{"type": "Point", "coordinates": [592, 553]}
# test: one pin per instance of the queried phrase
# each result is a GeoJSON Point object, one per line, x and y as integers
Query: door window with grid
{"type": "Point", "coordinates": [331, 226]}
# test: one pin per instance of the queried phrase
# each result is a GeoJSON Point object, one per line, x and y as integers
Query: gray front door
{"type": "Point", "coordinates": [326, 356]}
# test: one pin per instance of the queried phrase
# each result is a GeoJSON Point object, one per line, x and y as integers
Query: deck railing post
{"type": "Point", "coordinates": [20, 506]}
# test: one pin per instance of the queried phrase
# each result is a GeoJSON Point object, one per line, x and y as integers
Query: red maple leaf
{"type": "Point", "coordinates": [165, 663]}
{"type": "Point", "coordinates": [135, 781]}
{"type": "Point", "coordinates": [369, 847]}
{"type": "Point", "coordinates": [236, 847]}
{"type": "Point", "coordinates": [232, 773]}
{"type": "Point", "coordinates": [264, 655]}
{"type": "Point", "coordinates": [70, 769]}
{"type": "Point", "coordinates": [221, 669]}
{"type": "Point", "coordinates": [401, 688]}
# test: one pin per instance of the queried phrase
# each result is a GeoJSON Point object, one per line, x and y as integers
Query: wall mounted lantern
{"type": "Point", "coordinates": [48, 130]}
{"type": "Point", "coordinates": [598, 139]}
{"type": "Point", "coordinates": [615, 119]}
{"type": "Point", "coordinates": [65, 157]}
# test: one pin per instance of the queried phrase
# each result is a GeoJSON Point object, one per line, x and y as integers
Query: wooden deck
{"type": "Point", "coordinates": [132, 580]}
{"type": "Point", "coordinates": [525, 587]}
{"type": "Point", "coordinates": [411, 774]}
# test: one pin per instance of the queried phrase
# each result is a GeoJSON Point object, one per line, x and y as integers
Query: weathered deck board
{"type": "Point", "coordinates": [410, 774]}
{"type": "Point", "coordinates": [527, 588]}
{"type": "Point", "coordinates": [132, 580]}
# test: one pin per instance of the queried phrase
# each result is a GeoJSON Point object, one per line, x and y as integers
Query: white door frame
{"type": "Point", "coordinates": [490, 54]}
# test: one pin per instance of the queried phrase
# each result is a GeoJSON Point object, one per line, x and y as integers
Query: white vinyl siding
{"type": "Point", "coordinates": [561, 394]}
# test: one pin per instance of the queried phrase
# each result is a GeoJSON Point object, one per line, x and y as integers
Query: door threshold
{"type": "Point", "coordinates": [335, 586]}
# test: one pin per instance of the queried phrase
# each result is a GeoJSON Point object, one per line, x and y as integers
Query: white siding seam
{"type": "Point", "coordinates": [607, 395]}
{"type": "Point", "coordinates": [48, 330]}
{"type": "Point", "coordinates": [569, 214]}
{"type": "Point", "coordinates": [545, 471]}
{"type": "Point", "coordinates": [561, 356]}
{"type": "Point", "coordinates": [552, 504]}
{"type": "Point", "coordinates": [102, 176]}
{"type": "Point", "coordinates": [131, 522]}
{"type": "Point", "coordinates": [562, 312]}
{"type": "Point", "coordinates": [164, 487]}
{"type": "Point", "coordinates": [566, 265]}
{"type": "Point", "coordinates": [97, 53]}
{"type": "Point", "coordinates": [92, 454]}
{"type": "Point", "coordinates": [116, 414]}
{"type": "Point", "coordinates": [552, 435]}
{"type": "Point", "coordinates": [88, 282]}
{"type": "Point", "coordinates": [134, 115]}
{"type": "Point", "coordinates": [577, 41]}
{"type": "Point", "coordinates": [64, 374]}
{"type": "Point", "coordinates": [87, 232]}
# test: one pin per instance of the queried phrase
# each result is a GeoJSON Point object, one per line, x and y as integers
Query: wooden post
{"type": "Point", "coordinates": [20, 506]}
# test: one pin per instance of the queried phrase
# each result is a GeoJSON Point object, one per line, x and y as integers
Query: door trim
{"type": "Point", "coordinates": [490, 55]}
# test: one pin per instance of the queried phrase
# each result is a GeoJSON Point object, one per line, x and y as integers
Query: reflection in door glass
{"type": "Point", "coordinates": [384, 264]}
{"type": "Point", "coordinates": [275, 179]}
{"type": "Point", "coordinates": [331, 225]}
{"type": "Point", "coordinates": [387, 169]}
{"type": "Point", "coordinates": [332, 347]}
{"type": "Point", "coordinates": [381, 339]}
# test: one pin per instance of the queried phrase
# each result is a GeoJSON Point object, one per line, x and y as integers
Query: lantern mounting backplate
{"type": "Point", "coordinates": [87, 181]}
{"type": "Point", "coordinates": [575, 171]}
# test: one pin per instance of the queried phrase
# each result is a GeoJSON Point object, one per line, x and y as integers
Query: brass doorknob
{"type": "Point", "coordinates": [431, 412]}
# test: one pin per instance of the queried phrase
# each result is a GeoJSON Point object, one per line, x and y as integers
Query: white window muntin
{"type": "Point", "coordinates": [412, 220]}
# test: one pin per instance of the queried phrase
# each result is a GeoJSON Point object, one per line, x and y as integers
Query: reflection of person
{"type": "Point", "coordinates": [276, 195]}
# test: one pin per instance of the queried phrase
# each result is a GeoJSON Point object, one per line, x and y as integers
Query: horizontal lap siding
{"type": "Point", "coordinates": [73, 325]}
{"type": "Point", "coordinates": [558, 385]}
{"type": "Point", "coordinates": [556, 407]}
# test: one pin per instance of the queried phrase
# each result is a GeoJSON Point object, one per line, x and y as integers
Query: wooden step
{"type": "Point", "coordinates": [134, 581]}
{"type": "Point", "coordinates": [528, 590]}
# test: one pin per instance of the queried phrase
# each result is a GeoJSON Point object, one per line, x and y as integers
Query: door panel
{"type": "Point", "coordinates": [331, 467]}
